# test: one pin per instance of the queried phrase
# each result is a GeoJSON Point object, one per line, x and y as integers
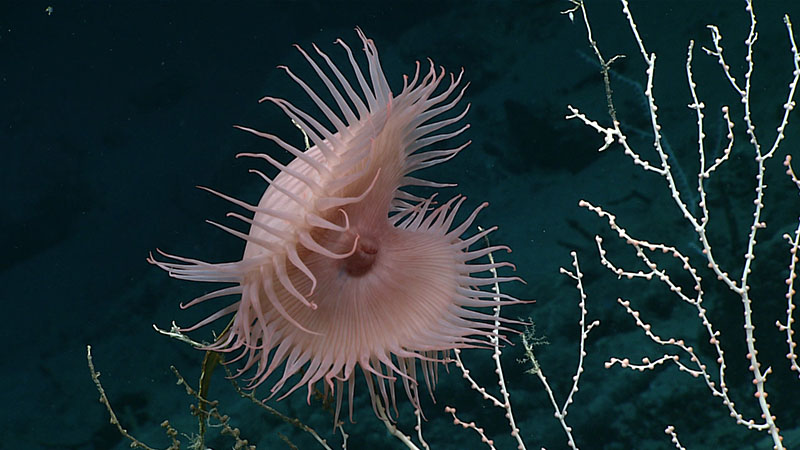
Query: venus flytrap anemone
{"type": "Point", "coordinates": [342, 269]}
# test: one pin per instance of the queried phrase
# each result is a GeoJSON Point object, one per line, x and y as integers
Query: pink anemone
{"type": "Point", "coordinates": [342, 268]}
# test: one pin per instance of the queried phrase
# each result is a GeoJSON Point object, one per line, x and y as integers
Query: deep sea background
{"type": "Point", "coordinates": [112, 112]}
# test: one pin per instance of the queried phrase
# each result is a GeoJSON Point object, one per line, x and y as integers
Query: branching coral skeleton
{"type": "Point", "coordinates": [738, 284]}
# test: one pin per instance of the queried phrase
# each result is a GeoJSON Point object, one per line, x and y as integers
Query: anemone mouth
{"type": "Point", "coordinates": [363, 258]}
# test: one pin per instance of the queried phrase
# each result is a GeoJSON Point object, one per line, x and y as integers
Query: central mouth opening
{"type": "Point", "coordinates": [363, 259]}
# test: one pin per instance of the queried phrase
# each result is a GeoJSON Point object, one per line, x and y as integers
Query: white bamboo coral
{"type": "Point", "coordinates": [740, 282]}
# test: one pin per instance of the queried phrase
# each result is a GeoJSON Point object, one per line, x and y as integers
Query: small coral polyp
{"type": "Point", "coordinates": [343, 269]}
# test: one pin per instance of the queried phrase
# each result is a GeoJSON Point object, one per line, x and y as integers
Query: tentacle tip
{"type": "Point", "coordinates": [355, 246]}
{"type": "Point", "coordinates": [346, 219]}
